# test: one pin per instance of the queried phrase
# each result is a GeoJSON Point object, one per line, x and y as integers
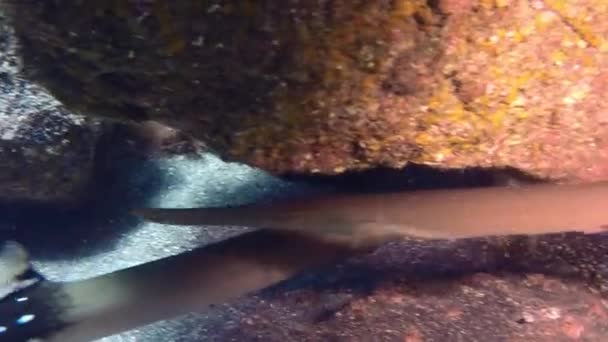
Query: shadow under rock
{"type": "Point", "coordinates": [414, 177]}
{"type": "Point", "coordinates": [380, 180]}
{"type": "Point", "coordinates": [56, 232]}
{"type": "Point", "coordinates": [436, 268]}
{"type": "Point", "coordinates": [412, 260]}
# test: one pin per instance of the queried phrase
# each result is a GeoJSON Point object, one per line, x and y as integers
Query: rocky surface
{"type": "Point", "coordinates": [46, 152]}
{"type": "Point", "coordinates": [328, 86]}
{"type": "Point", "coordinates": [50, 154]}
{"type": "Point", "coordinates": [505, 82]}
{"type": "Point", "coordinates": [474, 290]}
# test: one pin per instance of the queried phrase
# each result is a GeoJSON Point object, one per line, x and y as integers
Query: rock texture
{"type": "Point", "coordinates": [328, 86]}
{"type": "Point", "coordinates": [52, 155]}
{"type": "Point", "coordinates": [46, 152]}
{"type": "Point", "coordinates": [412, 291]}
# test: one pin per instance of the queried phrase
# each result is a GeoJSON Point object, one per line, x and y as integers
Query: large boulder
{"type": "Point", "coordinates": [328, 86]}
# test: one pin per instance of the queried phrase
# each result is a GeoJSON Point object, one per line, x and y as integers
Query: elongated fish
{"type": "Point", "coordinates": [33, 308]}
{"type": "Point", "coordinates": [429, 214]}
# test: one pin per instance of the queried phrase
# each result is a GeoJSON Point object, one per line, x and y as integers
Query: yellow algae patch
{"type": "Point", "coordinates": [581, 22]}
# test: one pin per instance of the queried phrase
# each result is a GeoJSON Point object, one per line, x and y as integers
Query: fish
{"type": "Point", "coordinates": [33, 308]}
{"type": "Point", "coordinates": [547, 208]}
{"type": "Point", "coordinates": [294, 236]}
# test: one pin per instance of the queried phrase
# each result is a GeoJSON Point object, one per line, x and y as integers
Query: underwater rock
{"type": "Point", "coordinates": [50, 154]}
{"type": "Point", "coordinates": [46, 152]}
{"type": "Point", "coordinates": [150, 139]}
{"type": "Point", "coordinates": [329, 86]}
{"type": "Point", "coordinates": [467, 290]}
{"type": "Point", "coordinates": [46, 156]}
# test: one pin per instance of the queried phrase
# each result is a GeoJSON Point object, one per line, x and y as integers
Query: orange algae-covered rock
{"type": "Point", "coordinates": [329, 86]}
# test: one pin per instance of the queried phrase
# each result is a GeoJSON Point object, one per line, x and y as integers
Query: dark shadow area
{"type": "Point", "coordinates": [411, 178]}
{"type": "Point", "coordinates": [54, 232]}
{"type": "Point", "coordinates": [435, 267]}
{"type": "Point", "coordinates": [415, 177]}
{"type": "Point", "coordinates": [419, 261]}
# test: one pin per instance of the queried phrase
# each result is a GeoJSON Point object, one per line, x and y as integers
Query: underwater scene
{"type": "Point", "coordinates": [323, 170]}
